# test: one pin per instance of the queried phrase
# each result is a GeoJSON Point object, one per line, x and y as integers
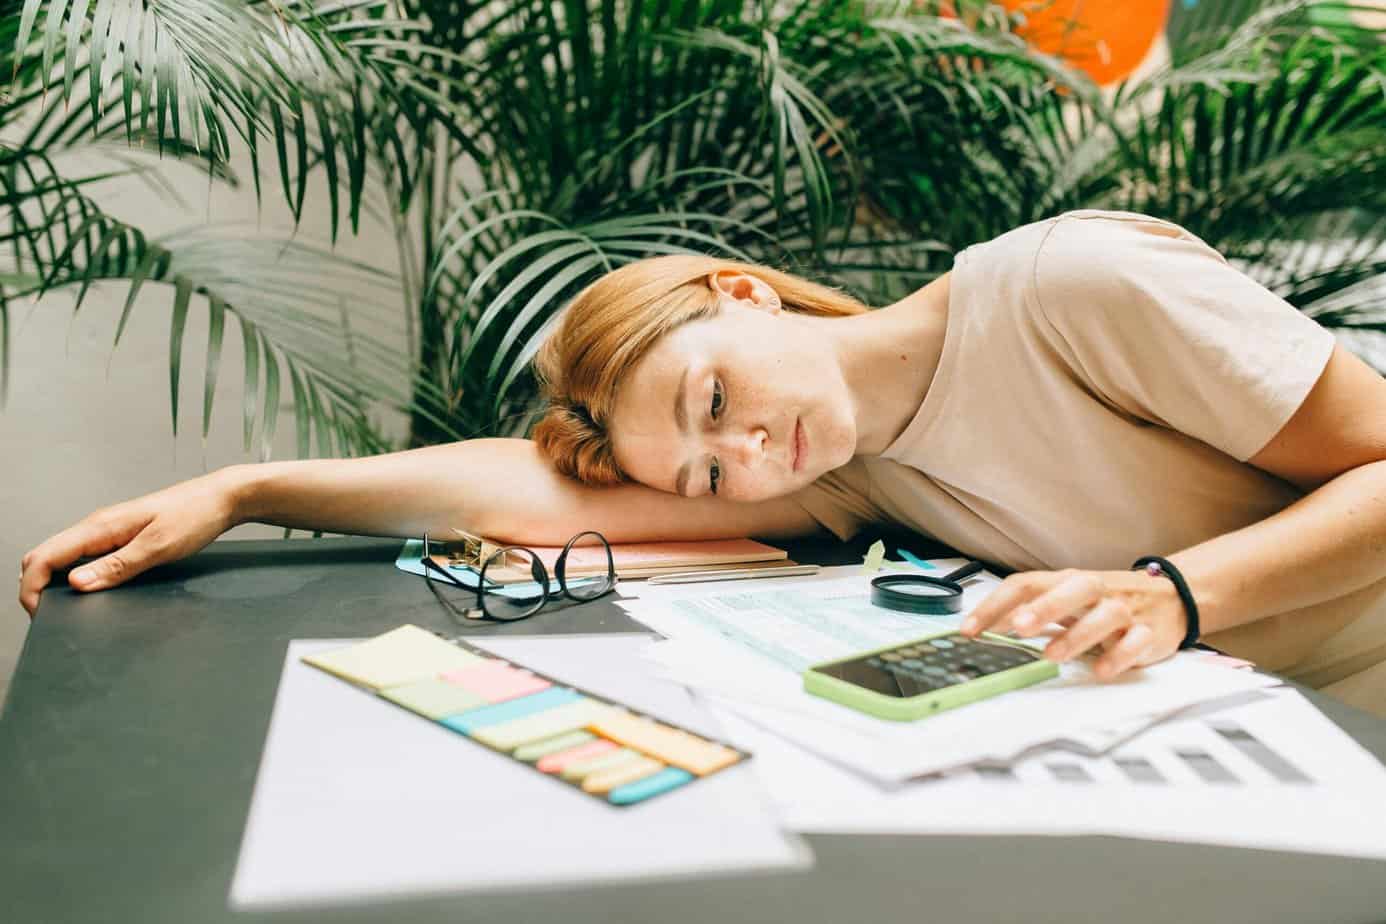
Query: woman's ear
{"type": "Point", "coordinates": [751, 291]}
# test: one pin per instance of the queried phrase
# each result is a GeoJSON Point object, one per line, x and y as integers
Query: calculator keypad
{"type": "Point", "coordinates": [945, 661]}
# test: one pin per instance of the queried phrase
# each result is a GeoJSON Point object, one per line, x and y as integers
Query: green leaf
{"type": "Point", "coordinates": [26, 27]}
{"type": "Point", "coordinates": [53, 24]}
{"type": "Point", "coordinates": [250, 341]}
{"type": "Point", "coordinates": [302, 416]}
{"type": "Point", "coordinates": [270, 419]}
{"type": "Point", "coordinates": [216, 323]}
{"type": "Point", "coordinates": [182, 294]}
{"type": "Point", "coordinates": [154, 257]}
{"type": "Point", "coordinates": [75, 27]}
{"type": "Point", "coordinates": [4, 347]}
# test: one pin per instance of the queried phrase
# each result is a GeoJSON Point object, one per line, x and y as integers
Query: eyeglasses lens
{"type": "Point", "coordinates": [513, 601]}
{"type": "Point", "coordinates": [590, 551]}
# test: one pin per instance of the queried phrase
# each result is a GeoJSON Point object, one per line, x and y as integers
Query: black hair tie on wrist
{"type": "Point", "coordinates": [1155, 566]}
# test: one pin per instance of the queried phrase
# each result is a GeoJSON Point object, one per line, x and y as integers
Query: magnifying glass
{"type": "Point", "coordinates": [917, 593]}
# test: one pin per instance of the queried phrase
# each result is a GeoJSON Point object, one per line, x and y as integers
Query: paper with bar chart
{"type": "Point", "coordinates": [1270, 772]}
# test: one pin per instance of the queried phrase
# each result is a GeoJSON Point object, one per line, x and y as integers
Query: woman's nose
{"type": "Point", "coordinates": [746, 447]}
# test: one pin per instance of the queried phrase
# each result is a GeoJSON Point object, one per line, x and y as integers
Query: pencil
{"type": "Point", "coordinates": [736, 574]}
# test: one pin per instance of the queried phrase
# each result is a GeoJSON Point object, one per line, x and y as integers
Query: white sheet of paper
{"type": "Point", "coordinates": [358, 798]}
{"type": "Point", "coordinates": [1308, 797]}
{"type": "Point", "coordinates": [750, 646]}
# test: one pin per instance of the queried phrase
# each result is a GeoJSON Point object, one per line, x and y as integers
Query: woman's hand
{"type": "Point", "coordinates": [1136, 618]}
{"type": "Point", "coordinates": [138, 534]}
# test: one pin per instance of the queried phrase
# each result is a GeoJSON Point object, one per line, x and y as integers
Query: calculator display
{"type": "Point", "coordinates": [926, 666]}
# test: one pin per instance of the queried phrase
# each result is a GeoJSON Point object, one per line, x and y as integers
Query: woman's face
{"type": "Point", "coordinates": [748, 404]}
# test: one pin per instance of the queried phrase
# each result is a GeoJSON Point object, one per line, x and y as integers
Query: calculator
{"type": "Point", "coordinates": [928, 675]}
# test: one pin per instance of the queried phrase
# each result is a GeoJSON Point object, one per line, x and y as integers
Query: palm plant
{"type": "Point", "coordinates": [519, 148]}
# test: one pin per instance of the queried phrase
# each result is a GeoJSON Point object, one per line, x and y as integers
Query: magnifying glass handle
{"type": "Point", "coordinates": [965, 571]}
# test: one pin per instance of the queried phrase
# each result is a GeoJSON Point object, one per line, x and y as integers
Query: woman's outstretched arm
{"type": "Point", "coordinates": [500, 488]}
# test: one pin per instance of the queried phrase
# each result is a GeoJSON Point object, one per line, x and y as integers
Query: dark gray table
{"type": "Point", "coordinates": [132, 735]}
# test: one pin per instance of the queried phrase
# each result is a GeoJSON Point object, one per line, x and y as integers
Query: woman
{"type": "Point", "coordinates": [1075, 394]}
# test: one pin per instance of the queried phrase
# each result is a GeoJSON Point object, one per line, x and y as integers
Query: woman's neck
{"type": "Point", "coordinates": [889, 358]}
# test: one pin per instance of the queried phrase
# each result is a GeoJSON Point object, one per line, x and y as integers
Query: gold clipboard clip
{"type": "Point", "coordinates": [468, 549]}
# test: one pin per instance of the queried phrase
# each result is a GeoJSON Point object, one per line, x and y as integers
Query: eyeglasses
{"type": "Point", "coordinates": [499, 601]}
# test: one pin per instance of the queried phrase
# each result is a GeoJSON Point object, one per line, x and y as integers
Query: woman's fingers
{"type": "Point", "coordinates": [1031, 603]}
{"type": "Point", "coordinates": [96, 534]}
{"type": "Point", "coordinates": [139, 554]}
{"type": "Point", "coordinates": [1126, 653]}
{"type": "Point", "coordinates": [1108, 617]}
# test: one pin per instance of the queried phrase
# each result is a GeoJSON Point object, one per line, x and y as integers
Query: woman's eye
{"type": "Point", "coordinates": [717, 398]}
{"type": "Point", "coordinates": [714, 475]}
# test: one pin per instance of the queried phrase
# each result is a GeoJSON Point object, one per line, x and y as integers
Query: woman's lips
{"type": "Point", "coordinates": [798, 445]}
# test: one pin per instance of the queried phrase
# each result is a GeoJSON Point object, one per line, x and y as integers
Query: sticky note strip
{"type": "Point", "coordinates": [916, 560]}
{"type": "Point", "coordinates": [570, 717]}
{"type": "Point", "coordinates": [433, 698]}
{"type": "Point", "coordinates": [874, 556]}
{"type": "Point", "coordinates": [607, 780]}
{"type": "Point", "coordinates": [470, 722]}
{"type": "Point", "coordinates": [397, 657]}
{"type": "Point", "coordinates": [579, 771]}
{"type": "Point", "coordinates": [497, 681]}
{"type": "Point", "coordinates": [671, 745]}
{"type": "Point", "coordinates": [663, 781]}
{"type": "Point", "coordinates": [538, 750]}
{"type": "Point", "coordinates": [582, 754]}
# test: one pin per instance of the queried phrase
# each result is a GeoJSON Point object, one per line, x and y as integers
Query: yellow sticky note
{"type": "Point", "coordinates": [399, 656]}
{"type": "Point", "coordinates": [874, 556]}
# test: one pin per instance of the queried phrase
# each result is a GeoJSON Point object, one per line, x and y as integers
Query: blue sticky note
{"type": "Point", "coordinates": [468, 722]}
{"type": "Point", "coordinates": [916, 560]}
{"type": "Point", "coordinates": [652, 785]}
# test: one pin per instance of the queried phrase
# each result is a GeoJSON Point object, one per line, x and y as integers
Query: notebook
{"type": "Point", "coordinates": [632, 559]}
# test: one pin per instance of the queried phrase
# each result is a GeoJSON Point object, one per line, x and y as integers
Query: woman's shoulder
{"type": "Point", "coordinates": [1096, 238]}
{"type": "Point", "coordinates": [1092, 257]}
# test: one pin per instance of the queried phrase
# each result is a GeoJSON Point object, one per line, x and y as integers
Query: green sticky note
{"type": "Point", "coordinates": [537, 749]}
{"type": "Point", "coordinates": [874, 556]}
{"type": "Point", "coordinates": [434, 698]}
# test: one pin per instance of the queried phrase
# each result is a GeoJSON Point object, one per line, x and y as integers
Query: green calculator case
{"type": "Point", "coordinates": [906, 709]}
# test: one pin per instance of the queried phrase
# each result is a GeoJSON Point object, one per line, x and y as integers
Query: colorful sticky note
{"type": "Point", "coordinates": [671, 745]}
{"type": "Point", "coordinates": [663, 781]}
{"type": "Point", "coordinates": [512, 710]}
{"type": "Point", "coordinates": [433, 698]}
{"type": "Point", "coordinates": [544, 747]}
{"type": "Point", "coordinates": [607, 780]}
{"type": "Point", "coordinates": [577, 772]}
{"type": "Point", "coordinates": [585, 753]}
{"type": "Point", "coordinates": [497, 681]}
{"type": "Point", "coordinates": [874, 556]}
{"type": "Point", "coordinates": [507, 736]}
{"type": "Point", "coordinates": [397, 657]}
{"type": "Point", "coordinates": [916, 560]}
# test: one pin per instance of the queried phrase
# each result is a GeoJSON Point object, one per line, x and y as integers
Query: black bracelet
{"type": "Point", "coordinates": [1155, 566]}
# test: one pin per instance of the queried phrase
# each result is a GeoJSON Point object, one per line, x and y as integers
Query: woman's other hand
{"type": "Point", "coordinates": [1134, 618]}
{"type": "Point", "coordinates": [133, 536]}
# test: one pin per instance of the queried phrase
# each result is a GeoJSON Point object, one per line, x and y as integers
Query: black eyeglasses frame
{"type": "Point", "coordinates": [480, 613]}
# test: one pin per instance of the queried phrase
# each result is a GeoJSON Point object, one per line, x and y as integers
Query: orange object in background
{"type": "Point", "coordinates": [1106, 39]}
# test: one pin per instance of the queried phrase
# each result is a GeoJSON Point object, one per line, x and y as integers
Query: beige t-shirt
{"type": "Point", "coordinates": [1104, 378]}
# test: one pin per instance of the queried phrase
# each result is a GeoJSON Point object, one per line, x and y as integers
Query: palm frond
{"type": "Point", "coordinates": [58, 238]}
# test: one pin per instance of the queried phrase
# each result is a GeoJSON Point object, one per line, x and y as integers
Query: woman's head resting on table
{"type": "Point", "coordinates": [696, 375]}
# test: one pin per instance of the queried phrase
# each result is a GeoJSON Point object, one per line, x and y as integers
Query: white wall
{"type": "Point", "coordinates": [75, 438]}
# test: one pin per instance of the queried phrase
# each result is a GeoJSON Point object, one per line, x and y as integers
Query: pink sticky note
{"type": "Point", "coordinates": [479, 669]}
{"type": "Point", "coordinates": [497, 684]}
{"type": "Point", "coordinates": [555, 763]}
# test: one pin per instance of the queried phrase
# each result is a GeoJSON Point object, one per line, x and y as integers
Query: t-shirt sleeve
{"type": "Point", "coordinates": [1157, 323]}
{"type": "Point", "coordinates": [841, 500]}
